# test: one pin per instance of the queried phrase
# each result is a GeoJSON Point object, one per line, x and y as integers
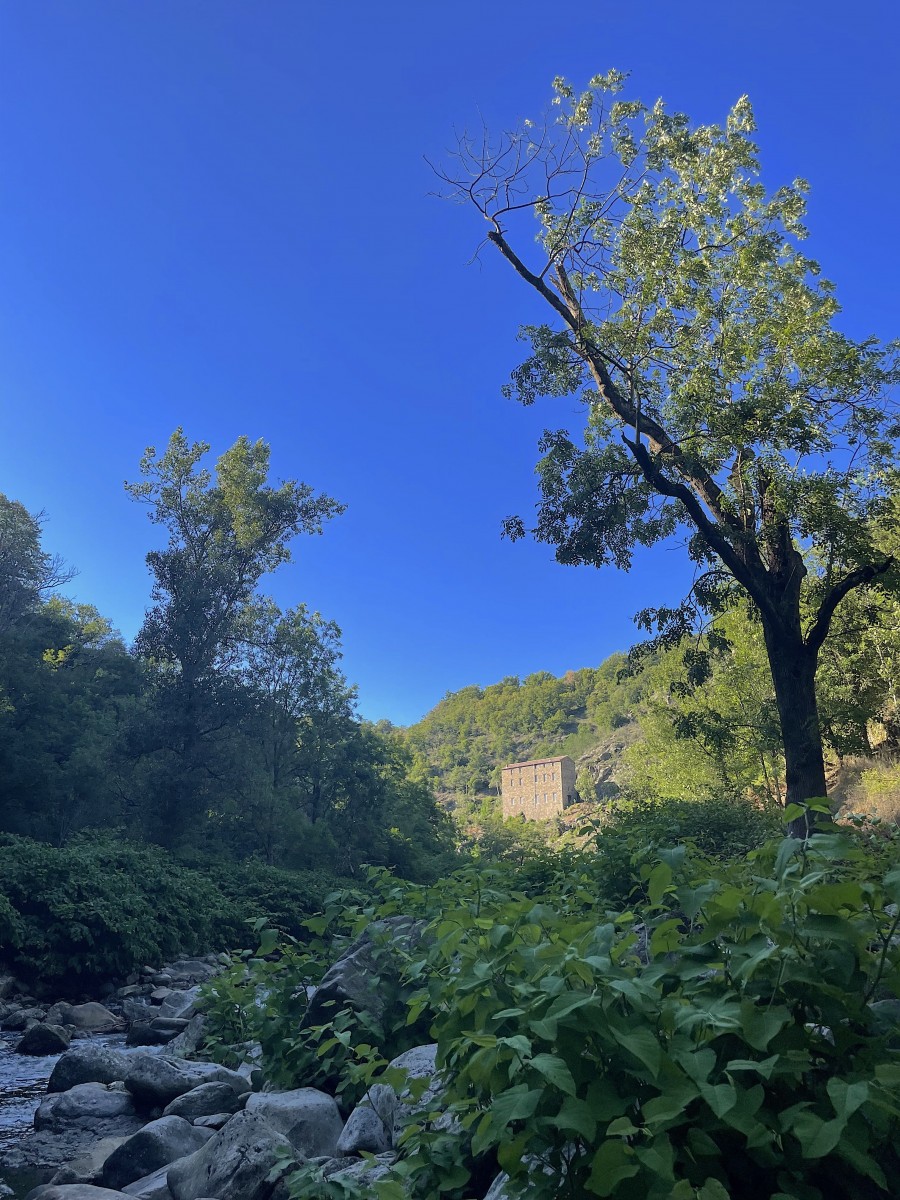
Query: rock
{"type": "Point", "coordinates": [308, 1118]}
{"type": "Point", "coordinates": [193, 970]}
{"type": "Point", "coordinates": [143, 1034]}
{"type": "Point", "coordinates": [189, 1040]}
{"type": "Point", "coordinates": [91, 1017]}
{"type": "Point", "coordinates": [355, 977]}
{"type": "Point", "coordinates": [43, 1039]}
{"type": "Point", "coordinates": [235, 1164]}
{"type": "Point", "coordinates": [154, 1186]}
{"type": "Point", "coordinates": [130, 990]}
{"type": "Point", "coordinates": [157, 1144]}
{"type": "Point", "coordinates": [213, 1121]}
{"type": "Point", "coordinates": [154, 1080]}
{"type": "Point", "coordinates": [90, 1106]}
{"type": "Point", "coordinates": [370, 1126]}
{"type": "Point", "coordinates": [204, 1100]}
{"type": "Point", "coordinates": [138, 1010]}
{"type": "Point", "coordinates": [356, 1174]}
{"type": "Point", "coordinates": [74, 1191]}
{"type": "Point", "coordinates": [418, 1063]}
{"type": "Point", "coordinates": [86, 1167]}
{"type": "Point", "coordinates": [180, 1004]}
{"type": "Point", "coordinates": [21, 1018]}
{"type": "Point", "coordinates": [161, 979]}
{"type": "Point", "coordinates": [159, 994]}
{"type": "Point", "coordinates": [88, 1063]}
{"type": "Point", "coordinates": [8, 985]}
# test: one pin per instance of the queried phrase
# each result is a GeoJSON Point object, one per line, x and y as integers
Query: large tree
{"type": "Point", "coordinates": [226, 530]}
{"type": "Point", "coordinates": [722, 398]}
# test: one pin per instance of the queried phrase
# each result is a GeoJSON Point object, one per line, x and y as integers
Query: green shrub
{"type": "Point", "coordinates": [722, 1038]}
{"type": "Point", "coordinates": [97, 909]}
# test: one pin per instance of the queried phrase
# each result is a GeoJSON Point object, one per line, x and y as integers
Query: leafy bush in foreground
{"type": "Point", "coordinates": [723, 1038]}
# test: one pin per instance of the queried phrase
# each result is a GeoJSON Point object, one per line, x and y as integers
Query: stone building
{"type": "Point", "coordinates": [539, 789]}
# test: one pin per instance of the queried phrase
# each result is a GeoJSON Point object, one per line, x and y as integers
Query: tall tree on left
{"type": "Point", "coordinates": [227, 529]}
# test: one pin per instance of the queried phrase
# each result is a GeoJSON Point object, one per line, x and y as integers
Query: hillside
{"type": "Point", "coordinates": [471, 734]}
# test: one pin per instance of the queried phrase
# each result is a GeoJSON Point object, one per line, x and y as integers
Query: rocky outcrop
{"type": "Point", "coordinates": [155, 1080]}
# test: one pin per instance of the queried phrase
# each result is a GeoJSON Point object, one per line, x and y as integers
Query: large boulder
{"type": "Point", "coordinates": [87, 1166]}
{"type": "Point", "coordinates": [356, 978]}
{"type": "Point", "coordinates": [20, 1018]}
{"type": "Point", "coordinates": [90, 1106]}
{"type": "Point", "coordinates": [157, 1144]}
{"type": "Point", "coordinates": [309, 1119]}
{"type": "Point", "coordinates": [239, 1163]}
{"type": "Point", "coordinates": [154, 1080]}
{"type": "Point", "coordinates": [205, 1100]}
{"type": "Point", "coordinates": [42, 1039]}
{"type": "Point", "coordinates": [418, 1063]}
{"type": "Point", "coordinates": [154, 1186]}
{"type": "Point", "coordinates": [88, 1063]}
{"type": "Point", "coordinates": [90, 1017]}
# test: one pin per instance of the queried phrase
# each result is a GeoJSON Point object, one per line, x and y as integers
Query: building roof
{"type": "Point", "coordinates": [536, 762]}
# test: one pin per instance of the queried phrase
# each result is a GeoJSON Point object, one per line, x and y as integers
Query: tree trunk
{"type": "Point", "coordinates": [793, 667]}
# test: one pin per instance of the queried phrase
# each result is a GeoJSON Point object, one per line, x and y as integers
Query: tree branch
{"type": "Point", "coordinates": [858, 578]}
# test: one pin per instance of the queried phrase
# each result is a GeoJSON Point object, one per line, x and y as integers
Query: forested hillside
{"type": "Point", "coordinates": [228, 731]}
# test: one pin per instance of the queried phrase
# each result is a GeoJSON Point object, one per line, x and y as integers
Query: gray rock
{"type": "Point", "coordinates": [189, 1040]}
{"type": "Point", "coordinates": [360, 1173]}
{"type": "Point", "coordinates": [213, 1121]}
{"type": "Point", "coordinates": [40, 1039]}
{"type": "Point", "coordinates": [154, 1186]}
{"type": "Point", "coordinates": [91, 1017]}
{"type": "Point", "coordinates": [88, 1063]}
{"type": "Point", "coordinates": [157, 1144]}
{"type": "Point", "coordinates": [308, 1118]}
{"type": "Point", "coordinates": [86, 1167]}
{"type": "Point", "coordinates": [91, 1106]}
{"type": "Point", "coordinates": [370, 1126]}
{"type": "Point", "coordinates": [204, 1100]}
{"type": "Point", "coordinates": [418, 1063]}
{"type": "Point", "coordinates": [236, 1164]}
{"type": "Point", "coordinates": [74, 1191]}
{"type": "Point", "coordinates": [143, 1034]}
{"type": "Point", "coordinates": [21, 1018]}
{"type": "Point", "coordinates": [354, 978]}
{"type": "Point", "coordinates": [8, 985]}
{"type": "Point", "coordinates": [180, 1004]}
{"type": "Point", "coordinates": [154, 1080]}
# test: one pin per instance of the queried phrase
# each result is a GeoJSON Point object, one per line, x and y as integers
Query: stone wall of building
{"type": "Point", "coordinates": [539, 789]}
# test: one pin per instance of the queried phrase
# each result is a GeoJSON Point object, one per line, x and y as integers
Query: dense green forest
{"type": "Point", "coordinates": [227, 732]}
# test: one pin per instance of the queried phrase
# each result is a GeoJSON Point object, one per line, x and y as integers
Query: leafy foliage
{"type": "Point", "coordinates": [731, 1034]}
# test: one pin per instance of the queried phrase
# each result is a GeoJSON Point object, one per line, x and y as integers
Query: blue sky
{"type": "Point", "coordinates": [217, 215]}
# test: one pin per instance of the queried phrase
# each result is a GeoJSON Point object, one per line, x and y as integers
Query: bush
{"type": "Point", "coordinates": [285, 899]}
{"type": "Point", "coordinates": [98, 909]}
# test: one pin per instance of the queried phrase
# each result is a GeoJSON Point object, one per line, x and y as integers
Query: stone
{"type": "Point", "coordinates": [418, 1063]}
{"type": "Point", "coordinates": [154, 1080]}
{"type": "Point", "coordinates": [213, 1121]}
{"type": "Point", "coordinates": [190, 1039]}
{"type": "Point", "coordinates": [74, 1191]}
{"type": "Point", "coordinates": [370, 1127]}
{"type": "Point", "coordinates": [308, 1118]}
{"type": "Point", "coordinates": [8, 985]}
{"type": "Point", "coordinates": [88, 1063]}
{"type": "Point", "coordinates": [204, 1100]}
{"type": "Point", "coordinates": [159, 994]}
{"type": "Point", "coordinates": [359, 1174]}
{"type": "Point", "coordinates": [41, 1039]}
{"type": "Point", "coordinates": [180, 1004]}
{"type": "Point", "coordinates": [143, 1034]}
{"type": "Point", "coordinates": [138, 1009]}
{"type": "Point", "coordinates": [161, 979]}
{"type": "Point", "coordinates": [157, 1144]}
{"type": "Point", "coordinates": [91, 1106]}
{"type": "Point", "coordinates": [154, 1186]}
{"type": "Point", "coordinates": [355, 977]}
{"type": "Point", "coordinates": [87, 1166]}
{"type": "Point", "coordinates": [237, 1163]}
{"type": "Point", "coordinates": [20, 1018]}
{"type": "Point", "coordinates": [91, 1017]}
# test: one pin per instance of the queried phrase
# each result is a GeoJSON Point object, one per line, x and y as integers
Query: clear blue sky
{"type": "Point", "coordinates": [216, 214]}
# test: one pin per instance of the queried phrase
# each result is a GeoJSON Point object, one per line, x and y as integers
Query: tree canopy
{"type": "Point", "coordinates": [722, 400]}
